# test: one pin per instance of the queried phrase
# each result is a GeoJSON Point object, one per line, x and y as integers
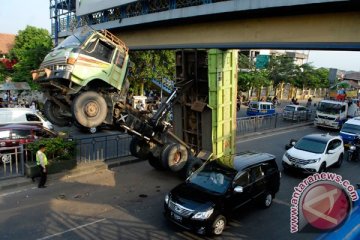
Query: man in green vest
{"type": "Point", "coordinates": [42, 162]}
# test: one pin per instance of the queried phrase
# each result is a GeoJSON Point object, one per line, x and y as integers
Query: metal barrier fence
{"type": "Point", "coordinates": [258, 123]}
{"type": "Point", "coordinates": [103, 147]}
{"type": "Point", "coordinates": [12, 162]}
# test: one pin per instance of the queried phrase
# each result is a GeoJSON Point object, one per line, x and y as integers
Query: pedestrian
{"type": "Point", "coordinates": [42, 162]}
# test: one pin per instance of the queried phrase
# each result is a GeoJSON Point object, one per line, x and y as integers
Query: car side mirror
{"type": "Point", "coordinates": [331, 151]}
{"type": "Point", "coordinates": [238, 189]}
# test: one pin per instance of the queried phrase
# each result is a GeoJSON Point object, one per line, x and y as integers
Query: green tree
{"type": "Point", "coordinates": [3, 73]}
{"type": "Point", "coordinates": [30, 48]}
{"type": "Point", "coordinates": [151, 64]}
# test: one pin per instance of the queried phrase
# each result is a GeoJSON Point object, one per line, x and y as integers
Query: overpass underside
{"type": "Point", "coordinates": [328, 31]}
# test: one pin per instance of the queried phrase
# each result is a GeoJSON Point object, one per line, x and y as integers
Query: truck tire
{"type": "Point", "coordinates": [139, 148]}
{"type": "Point", "coordinates": [155, 162]}
{"type": "Point", "coordinates": [174, 157]}
{"type": "Point", "coordinates": [191, 166]}
{"type": "Point", "coordinates": [52, 112]}
{"type": "Point", "coordinates": [89, 109]}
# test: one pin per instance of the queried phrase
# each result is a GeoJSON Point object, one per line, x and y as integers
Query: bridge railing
{"type": "Point", "coordinates": [251, 124]}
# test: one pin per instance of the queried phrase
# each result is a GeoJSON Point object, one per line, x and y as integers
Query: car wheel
{"type": "Point", "coordinates": [267, 200]}
{"type": "Point", "coordinates": [322, 167]}
{"type": "Point", "coordinates": [339, 161]}
{"type": "Point", "coordinates": [219, 225]}
{"type": "Point", "coordinates": [139, 148]}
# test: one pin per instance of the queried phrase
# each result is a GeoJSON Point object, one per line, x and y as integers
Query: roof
{"type": "Point", "coordinates": [14, 86]}
{"type": "Point", "coordinates": [7, 42]}
{"type": "Point", "coordinates": [245, 159]}
{"type": "Point", "coordinates": [20, 126]}
{"type": "Point", "coordinates": [333, 102]}
{"type": "Point", "coordinates": [352, 76]}
{"type": "Point", "coordinates": [355, 121]}
{"type": "Point", "coordinates": [320, 137]}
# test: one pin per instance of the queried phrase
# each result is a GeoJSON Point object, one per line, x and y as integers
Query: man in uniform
{"type": "Point", "coordinates": [42, 162]}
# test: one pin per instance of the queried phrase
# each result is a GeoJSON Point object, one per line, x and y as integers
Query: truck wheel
{"type": "Point", "coordinates": [89, 109]}
{"type": "Point", "coordinates": [155, 162]}
{"type": "Point", "coordinates": [52, 112]}
{"type": "Point", "coordinates": [191, 166]}
{"type": "Point", "coordinates": [174, 157]}
{"type": "Point", "coordinates": [139, 148]}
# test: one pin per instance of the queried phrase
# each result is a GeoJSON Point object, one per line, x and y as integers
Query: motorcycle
{"type": "Point", "coordinates": [354, 150]}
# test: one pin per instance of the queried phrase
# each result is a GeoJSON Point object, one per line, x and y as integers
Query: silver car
{"type": "Point", "coordinates": [296, 113]}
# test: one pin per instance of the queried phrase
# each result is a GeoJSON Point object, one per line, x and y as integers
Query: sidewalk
{"type": "Point", "coordinates": [95, 166]}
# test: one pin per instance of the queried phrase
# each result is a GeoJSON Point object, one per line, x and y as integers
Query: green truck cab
{"type": "Point", "coordinates": [84, 79]}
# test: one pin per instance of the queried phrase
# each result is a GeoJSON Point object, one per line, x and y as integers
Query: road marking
{"type": "Point", "coordinates": [261, 135]}
{"type": "Point", "coordinates": [18, 191]}
{"type": "Point", "coordinates": [71, 229]}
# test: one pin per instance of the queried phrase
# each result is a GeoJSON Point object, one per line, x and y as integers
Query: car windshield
{"type": "Point", "coordinates": [311, 145]}
{"type": "Point", "coordinates": [351, 128]}
{"type": "Point", "coordinates": [76, 39]}
{"type": "Point", "coordinates": [289, 108]}
{"type": "Point", "coordinates": [329, 108]}
{"type": "Point", "coordinates": [211, 180]}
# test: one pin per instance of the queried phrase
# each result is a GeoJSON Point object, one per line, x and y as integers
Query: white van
{"type": "Point", "coordinates": [22, 116]}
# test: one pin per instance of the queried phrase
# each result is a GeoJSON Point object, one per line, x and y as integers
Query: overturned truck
{"type": "Point", "coordinates": [84, 79]}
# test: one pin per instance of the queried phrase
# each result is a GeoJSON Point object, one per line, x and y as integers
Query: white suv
{"type": "Point", "coordinates": [314, 153]}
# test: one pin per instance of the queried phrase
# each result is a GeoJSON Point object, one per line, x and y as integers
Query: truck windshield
{"type": "Point", "coordinates": [351, 128]}
{"type": "Point", "coordinates": [76, 39]}
{"type": "Point", "coordinates": [329, 108]}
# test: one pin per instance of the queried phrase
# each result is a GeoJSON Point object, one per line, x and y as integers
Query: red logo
{"type": "Point", "coordinates": [325, 206]}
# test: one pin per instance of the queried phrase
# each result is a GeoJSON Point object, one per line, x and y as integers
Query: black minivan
{"type": "Point", "coordinates": [204, 202]}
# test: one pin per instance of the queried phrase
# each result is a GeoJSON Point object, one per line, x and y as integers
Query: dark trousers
{"type": "Point", "coordinates": [43, 176]}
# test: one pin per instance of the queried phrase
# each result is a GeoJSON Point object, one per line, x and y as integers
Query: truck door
{"type": "Point", "coordinates": [118, 70]}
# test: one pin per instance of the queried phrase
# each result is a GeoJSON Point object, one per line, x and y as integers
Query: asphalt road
{"type": "Point", "coordinates": [127, 203]}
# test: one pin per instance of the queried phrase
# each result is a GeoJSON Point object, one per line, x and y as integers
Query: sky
{"type": "Point", "coordinates": [15, 15]}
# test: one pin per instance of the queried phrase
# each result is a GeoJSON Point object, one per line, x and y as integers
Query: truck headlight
{"type": "Point", "coordinates": [203, 215]}
{"type": "Point", "coordinates": [166, 199]}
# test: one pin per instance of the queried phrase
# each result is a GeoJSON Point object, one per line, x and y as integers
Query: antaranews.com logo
{"type": "Point", "coordinates": [322, 200]}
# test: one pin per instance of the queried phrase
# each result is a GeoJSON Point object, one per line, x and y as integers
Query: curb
{"type": "Point", "coordinates": [117, 162]}
{"type": "Point", "coordinates": [80, 170]}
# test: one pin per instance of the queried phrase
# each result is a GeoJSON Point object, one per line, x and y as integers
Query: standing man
{"type": "Point", "coordinates": [42, 162]}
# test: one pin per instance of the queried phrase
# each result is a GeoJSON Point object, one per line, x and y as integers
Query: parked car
{"type": "Point", "coordinates": [260, 108]}
{"type": "Point", "coordinates": [314, 153]}
{"type": "Point", "coordinates": [15, 134]}
{"type": "Point", "coordinates": [296, 113]}
{"type": "Point", "coordinates": [206, 200]}
{"type": "Point", "coordinates": [22, 116]}
{"type": "Point", "coordinates": [350, 131]}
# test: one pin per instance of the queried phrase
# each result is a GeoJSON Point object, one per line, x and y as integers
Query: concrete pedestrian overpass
{"type": "Point", "coordinates": [276, 24]}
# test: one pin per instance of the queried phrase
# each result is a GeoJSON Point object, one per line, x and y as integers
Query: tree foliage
{"type": "Point", "coordinates": [151, 64]}
{"type": "Point", "coordinates": [30, 48]}
{"type": "Point", "coordinates": [281, 69]}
